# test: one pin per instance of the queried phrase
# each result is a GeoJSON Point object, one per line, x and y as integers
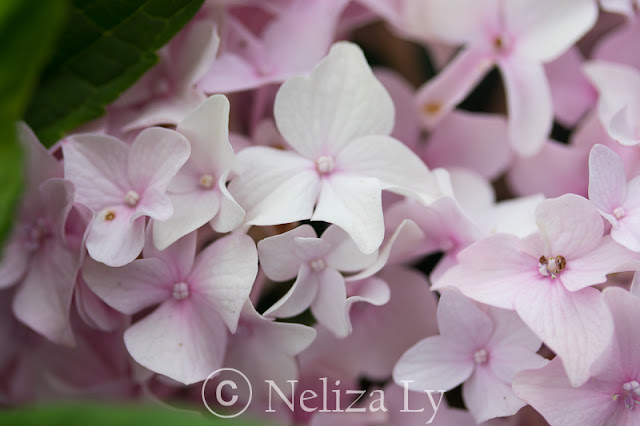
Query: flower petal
{"type": "Point", "coordinates": [275, 186]}
{"type": "Point", "coordinates": [223, 275]}
{"type": "Point", "coordinates": [115, 241]}
{"type": "Point", "coordinates": [44, 298]}
{"type": "Point", "coordinates": [576, 326]}
{"type": "Point", "coordinates": [353, 203]}
{"type": "Point", "coordinates": [328, 305]}
{"type": "Point", "coordinates": [130, 288]}
{"type": "Point", "coordinates": [341, 101]}
{"type": "Point", "coordinates": [441, 94]}
{"type": "Point", "coordinates": [300, 295]}
{"type": "Point", "coordinates": [96, 164]}
{"type": "Point", "coordinates": [487, 396]}
{"type": "Point", "coordinates": [569, 225]}
{"type": "Point", "coordinates": [607, 179]}
{"type": "Point", "coordinates": [547, 28]}
{"type": "Point", "coordinates": [156, 156]}
{"type": "Point", "coordinates": [396, 166]}
{"type": "Point", "coordinates": [529, 102]}
{"type": "Point", "coordinates": [436, 362]}
{"type": "Point", "coordinates": [182, 339]}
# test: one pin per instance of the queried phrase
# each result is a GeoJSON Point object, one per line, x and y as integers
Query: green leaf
{"type": "Point", "coordinates": [109, 415]}
{"type": "Point", "coordinates": [28, 29]}
{"type": "Point", "coordinates": [106, 46]}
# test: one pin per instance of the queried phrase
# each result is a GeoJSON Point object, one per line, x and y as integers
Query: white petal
{"type": "Point", "coordinates": [275, 186]}
{"type": "Point", "coordinates": [396, 166]}
{"type": "Point", "coordinates": [340, 101]}
{"type": "Point", "coordinates": [353, 203]}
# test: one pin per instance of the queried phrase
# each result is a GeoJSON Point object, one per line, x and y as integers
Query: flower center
{"type": "Point", "coordinates": [132, 198]}
{"type": "Point", "coordinates": [180, 291]}
{"type": "Point", "coordinates": [206, 181]}
{"type": "Point", "coordinates": [630, 394]}
{"type": "Point", "coordinates": [324, 164]}
{"type": "Point", "coordinates": [318, 265]}
{"type": "Point", "coordinates": [37, 234]}
{"type": "Point", "coordinates": [481, 356]}
{"type": "Point", "coordinates": [619, 212]}
{"type": "Point", "coordinates": [552, 266]}
{"type": "Point", "coordinates": [432, 108]}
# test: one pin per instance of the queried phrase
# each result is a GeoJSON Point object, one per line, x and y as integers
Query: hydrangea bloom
{"type": "Point", "coordinates": [122, 184]}
{"type": "Point", "coordinates": [337, 120]}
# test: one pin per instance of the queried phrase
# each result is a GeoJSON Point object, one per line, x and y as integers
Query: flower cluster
{"type": "Point", "coordinates": [263, 200]}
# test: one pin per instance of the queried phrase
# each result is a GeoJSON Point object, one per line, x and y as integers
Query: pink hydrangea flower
{"type": "Point", "coordinates": [337, 120]}
{"type": "Point", "coordinates": [198, 192]}
{"type": "Point", "coordinates": [200, 298]}
{"type": "Point", "coordinates": [123, 185]}
{"type": "Point", "coordinates": [317, 263]}
{"type": "Point", "coordinates": [546, 279]}
{"type": "Point", "coordinates": [518, 37]}
{"type": "Point", "coordinates": [616, 200]}
{"type": "Point", "coordinates": [612, 395]}
{"type": "Point", "coordinates": [41, 255]}
{"type": "Point", "coordinates": [484, 348]}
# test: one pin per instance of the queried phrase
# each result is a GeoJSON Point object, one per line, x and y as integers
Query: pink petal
{"type": "Point", "coordinates": [492, 271]}
{"type": "Point", "coordinates": [570, 226]}
{"type": "Point", "coordinates": [547, 30]}
{"type": "Point", "coordinates": [40, 165]}
{"type": "Point", "coordinates": [607, 179]}
{"type": "Point", "coordinates": [179, 257]}
{"type": "Point", "coordinates": [345, 255]}
{"type": "Point", "coordinates": [397, 168]}
{"type": "Point", "coordinates": [278, 253]}
{"type": "Point", "coordinates": [461, 320]}
{"type": "Point", "coordinates": [353, 203]}
{"type": "Point", "coordinates": [487, 396]}
{"type": "Point", "coordinates": [223, 275]}
{"type": "Point", "coordinates": [300, 295]}
{"type": "Point", "coordinates": [328, 305]}
{"type": "Point", "coordinates": [183, 340]}
{"type": "Point", "coordinates": [266, 350]}
{"type": "Point", "coordinates": [624, 353]}
{"type": "Point", "coordinates": [565, 170]}
{"type": "Point", "coordinates": [163, 111]}
{"type": "Point", "coordinates": [433, 19]}
{"type": "Point", "coordinates": [156, 156]}
{"type": "Point", "coordinates": [489, 154]}
{"type": "Point", "coordinates": [572, 93]}
{"type": "Point", "coordinates": [96, 164]}
{"type": "Point", "coordinates": [313, 36]}
{"type": "Point", "coordinates": [529, 102]}
{"type": "Point", "coordinates": [138, 285]}
{"type": "Point", "coordinates": [230, 215]}
{"type": "Point", "coordinates": [576, 326]}
{"type": "Point", "coordinates": [551, 393]}
{"type": "Point", "coordinates": [43, 300]}
{"type": "Point", "coordinates": [207, 129]}
{"type": "Point", "coordinates": [321, 114]}
{"type": "Point", "coordinates": [441, 94]}
{"type": "Point", "coordinates": [191, 210]}
{"type": "Point", "coordinates": [94, 311]}
{"type": "Point", "coordinates": [195, 49]}
{"type": "Point", "coordinates": [116, 241]}
{"type": "Point", "coordinates": [230, 73]}
{"type": "Point", "coordinates": [13, 263]}
{"type": "Point", "coordinates": [275, 187]}
{"type": "Point", "coordinates": [155, 204]}
{"type": "Point", "coordinates": [372, 290]}
{"type": "Point", "coordinates": [436, 362]}
{"type": "Point", "coordinates": [592, 268]}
